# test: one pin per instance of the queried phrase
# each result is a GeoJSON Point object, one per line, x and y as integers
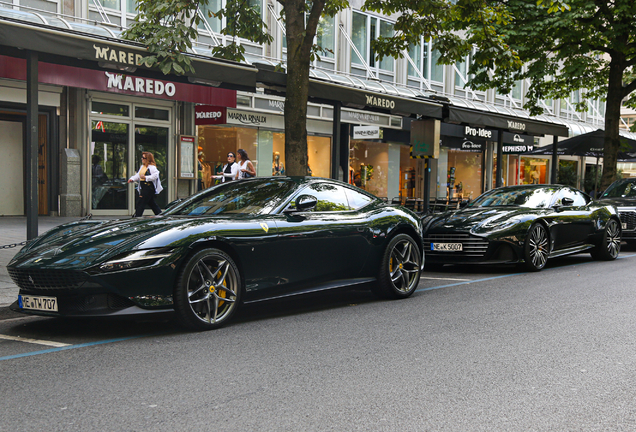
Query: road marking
{"type": "Point", "coordinates": [64, 348]}
{"type": "Point", "coordinates": [34, 341]}
{"type": "Point", "coordinates": [509, 275]}
{"type": "Point", "coordinates": [424, 277]}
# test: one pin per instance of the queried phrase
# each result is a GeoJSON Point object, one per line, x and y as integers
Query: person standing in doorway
{"type": "Point", "coordinates": [246, 169]}
{"type": "Point", "coordinates": [149, 184]}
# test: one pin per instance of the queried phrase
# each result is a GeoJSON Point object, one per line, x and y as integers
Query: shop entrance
{"type": "Point", "coordinates": [119, 134]}
{"type": "Point", "coordinates": [12, 165]}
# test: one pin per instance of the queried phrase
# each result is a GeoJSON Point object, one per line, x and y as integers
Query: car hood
{"type": "Point", "coordinates": [84, 244]}
{"type": "Point", "coordinates": [618, 202]}
{"type": "Point", "coordinates": [479, 220]}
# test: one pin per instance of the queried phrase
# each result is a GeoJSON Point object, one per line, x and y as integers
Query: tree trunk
{"type": "Point", "coordinates": [612, 121]}
{"type": "Point", "coordinates": [297, 90]}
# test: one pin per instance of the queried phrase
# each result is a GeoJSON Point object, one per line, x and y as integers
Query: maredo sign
{"type": "Point", "coordinates": [209, 115]}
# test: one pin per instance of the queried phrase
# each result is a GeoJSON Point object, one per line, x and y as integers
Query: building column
{"type": "Point", "coordinates": [32, 145]}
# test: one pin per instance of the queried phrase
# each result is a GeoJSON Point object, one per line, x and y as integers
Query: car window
{"type": "Point", "coordinates": [330, 197]}
{"type": "Point", "coordinates": [529, 198]}
{"type": "Point", "coordinates": [625, 188]}
{"type": "Point", "coordinates": [577, 197]}
{"type": "Point", "coordinates": [356, 199]}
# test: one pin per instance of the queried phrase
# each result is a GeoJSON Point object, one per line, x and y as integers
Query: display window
{"type": "Point", "coordinates": [460, 174]}
{"type": "Point", "coordinates": [383, 169]}
{"type": "Point", "coordinates": [534, 171]}
{"type": "Point", "coordinates": [265, 148]}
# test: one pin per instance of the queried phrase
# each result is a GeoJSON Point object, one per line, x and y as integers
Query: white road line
{"type": "Point", "coordinates": [34, 341]}
{"type": "Point", "coordinates": [424, 277]}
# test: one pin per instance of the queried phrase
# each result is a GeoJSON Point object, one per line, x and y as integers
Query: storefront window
{"type": "Point", "coordinates": [109, 163]}
{"type": "Point", "coordinates": [534, 171]}
{"type": "Point", "coordinates": [265, 148]}
{"type": "Point", "coordinates": [459, 174]}
{"type": "Point", "coordinates": [110, 109]}
{"type": "Point", "coordinates": [154, 140]}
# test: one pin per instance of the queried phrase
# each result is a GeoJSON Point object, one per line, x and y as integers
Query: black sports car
{"type": "Point", "coordinates": [523, 224]}
{"type": "Point", "coordinates": [622, 194]}
{"type": "Point", "coordinates": [236, 242]}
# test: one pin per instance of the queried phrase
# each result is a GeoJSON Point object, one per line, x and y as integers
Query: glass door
{"type": "Point", "coordinates": [109, 165]}
{"type": "Point", "coordinates": [154, 139]}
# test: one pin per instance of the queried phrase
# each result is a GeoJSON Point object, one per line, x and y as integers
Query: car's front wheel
{"type": "Point", "coordinates": [536, 249]}
{"type": "Point", "coordinates": [400, 268]}
{"type": "Point", "coordinates": [610, 245]}
{"type": "Point", "coordinates": [208, 290]}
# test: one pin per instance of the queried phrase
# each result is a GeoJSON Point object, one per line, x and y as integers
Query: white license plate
{"type": "Point", "coordinates": [624, 226]}
{"type": "Point", "coordinates": [450, 247]}
{"type": "Point", "coordinates": [38, 303]}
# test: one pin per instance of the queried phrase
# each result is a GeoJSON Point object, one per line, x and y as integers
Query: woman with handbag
{"type": "Point", "coordinates": [230, 169]}
{"type": "Point", "coordinates": [149, 184]}
{"type": "Point", "coordinates": [246, 168]}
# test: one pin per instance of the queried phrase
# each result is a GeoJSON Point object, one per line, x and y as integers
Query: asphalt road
{"type": "Point", "coordinates": [475, 349]}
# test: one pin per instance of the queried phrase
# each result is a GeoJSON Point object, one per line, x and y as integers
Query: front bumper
{"type": "Point", "coordinates": [475, 249]}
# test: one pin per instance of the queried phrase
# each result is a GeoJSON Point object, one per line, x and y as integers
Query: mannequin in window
{"type": "Point", "coordinates": [277, 165]}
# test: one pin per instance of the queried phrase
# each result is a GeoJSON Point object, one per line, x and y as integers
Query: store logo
{"type": "Point", "coordinates": [277, 104]}
{"type": "Point", "coordinates": [517, 138]}
{"type": "Point", "coordinates": [140, 85]}
{"type": "Point", "coordinates": [469, 145]}
{"type": "Point", "coordinates": [209, 115]}
{"type": "Point", "coordinates": [517, 149]}
{"type": "Point", "coordinates": [380, 102]}
{"type": "Point", "coordinates": [113, 55]}
{"type": "Point", "coordinates": [252, 119]}
{"type": "Point", "coordinates": [516, 125]}
{"type": "Point", "coordinates": [477, 132]}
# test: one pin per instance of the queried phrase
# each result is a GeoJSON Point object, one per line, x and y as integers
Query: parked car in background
{"type": "Point", "coordinates": [234, 243]}
{"type": "Point", "coordinates": [622, 194]}
{"type": "Point", "coordinates": [526, 224]}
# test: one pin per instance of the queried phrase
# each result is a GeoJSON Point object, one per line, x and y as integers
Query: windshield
{"type": "Point", "coordinates": [625, 188]}
{"type": "Point", "coordinates": [238, 197]}
{"type": "Point", "coordinates": [529, 198]}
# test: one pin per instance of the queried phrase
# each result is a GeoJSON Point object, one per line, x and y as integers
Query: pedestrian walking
{"type": "Point", "coordinates": [230, 169]}
{"type": "Point", "coordinates": [246, 168]}
{"type": "Point", "coordinates": [149, 184]}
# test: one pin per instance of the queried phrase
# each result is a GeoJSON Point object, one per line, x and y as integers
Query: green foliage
{"type": "Point", "coordinates": [567, 173]}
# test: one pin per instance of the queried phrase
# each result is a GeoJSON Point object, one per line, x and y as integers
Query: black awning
{"type": "Point", "coordinates": [509, 123]}
{"type": "Point", "coordinates": [353, 97]}
{"type": "Point", "coordinates": [118, 53]}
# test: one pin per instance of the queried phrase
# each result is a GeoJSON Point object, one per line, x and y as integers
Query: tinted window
{"type": "Point", "coordinates": [330, 197]}
{"type": "Point", "coordinates": [621, 189]}
{"type": "Point", "coordinates": [530, 198]}
{"type": "Point", "coordinates": [356, 199]}
{"type": "Point", "coordinates": [238, 197]}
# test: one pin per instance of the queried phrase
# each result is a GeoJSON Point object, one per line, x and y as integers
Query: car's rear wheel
{"type": "Point", "coordinates": [610, 245]}
{"type": "Point", "coordinates": [537, 247]}
{"type": "Point", "coordinates": [208, 290]}
{"type": "Point", "coordinates": [400, 268]}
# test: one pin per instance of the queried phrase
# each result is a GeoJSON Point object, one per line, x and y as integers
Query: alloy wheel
{"type": "Point", "coordinates": [613, 239]}
{"type": "Point", "coordinates": [212, 287]}
{"type": "Point", "coordinates": [404, 265]}
{"type": "Point", "coordinates": [537, 247]}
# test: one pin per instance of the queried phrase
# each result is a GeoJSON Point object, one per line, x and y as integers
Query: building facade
{"type": "Point", "coordinates": [98, 110]}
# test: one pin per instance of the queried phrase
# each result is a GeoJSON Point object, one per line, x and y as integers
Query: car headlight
{"type": "Point", "coordinates": [136, 259]}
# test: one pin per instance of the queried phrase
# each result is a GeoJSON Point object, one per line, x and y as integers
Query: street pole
{"type": "Point", "coordinates": [32, 145]}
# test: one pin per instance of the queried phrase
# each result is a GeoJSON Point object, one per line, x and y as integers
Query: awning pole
{"type": "Point", "coordinates": [32, 145]}
{"type": "Point", "coordinates": [555, 160]}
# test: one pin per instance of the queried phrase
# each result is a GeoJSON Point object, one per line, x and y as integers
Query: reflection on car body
{"type": "Point", "coordinates": [523, 224]}
{"type": "Point", "coordinates": [237, 242]}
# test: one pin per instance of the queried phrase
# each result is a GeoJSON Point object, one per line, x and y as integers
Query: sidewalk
{"type": "Point", "coordinates": [13, 230]}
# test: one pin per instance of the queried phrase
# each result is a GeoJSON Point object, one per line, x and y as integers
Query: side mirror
{"type": "Point", "coordinates": [565, 201]}
{"type": "Point", "coordinates": [303, 203]}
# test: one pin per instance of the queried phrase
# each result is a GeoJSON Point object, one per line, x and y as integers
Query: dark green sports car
{"type": "Point", "coordinates": [236, 242]}
{"type": "Point", "coordinates": [523, 224]}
